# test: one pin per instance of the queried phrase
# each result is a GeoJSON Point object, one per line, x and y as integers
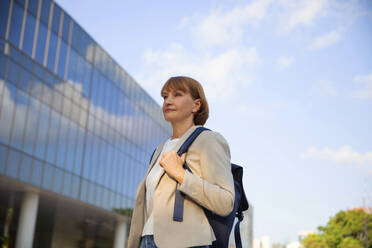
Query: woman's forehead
{"type": "Point", "coordinates": [172, 89]}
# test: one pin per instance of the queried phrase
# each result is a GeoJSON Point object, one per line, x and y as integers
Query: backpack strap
{"type": "Point", "coordinates": [179, 196]}
{"type": "Point", "coordinates": [238, 240]}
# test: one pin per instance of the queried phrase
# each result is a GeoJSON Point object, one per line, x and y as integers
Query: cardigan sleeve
{"type": "Point", "coordinates": [214, 190]}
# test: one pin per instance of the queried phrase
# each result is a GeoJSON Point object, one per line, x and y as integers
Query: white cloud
{"type": "Point", "coordinates": [127, 125]}
{"type": "Point", "coordinates": [301, 13]}
{"type": "Point", "coordinates": [284, 62]}
{"type": "Point", "coordinates": [326, 40]}
{"type": "Point", "coordinates": [221, 74]}
{"type": "Point", "coordinates": [227, 27]}
{"type": "Point", "coordinates": [343, 155]}
{"type": "Point", "coordinates": [366, 91]}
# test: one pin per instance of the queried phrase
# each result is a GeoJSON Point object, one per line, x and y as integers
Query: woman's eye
{"type": "Point", "coordinates": [178, 94]}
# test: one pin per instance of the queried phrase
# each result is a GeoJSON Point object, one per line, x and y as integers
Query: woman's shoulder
{"type": "Point", "coordinates": [211, 136]}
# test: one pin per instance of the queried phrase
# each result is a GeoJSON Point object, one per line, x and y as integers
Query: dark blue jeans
{"type": "Point", "coordinates": [147, 241]}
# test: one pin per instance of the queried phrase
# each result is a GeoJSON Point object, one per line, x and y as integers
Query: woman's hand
{"type": "Point", "coordinates": [173, 165]}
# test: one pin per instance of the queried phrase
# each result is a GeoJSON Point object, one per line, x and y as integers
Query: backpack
{"type": "Point", "coordinates": [221, 225]}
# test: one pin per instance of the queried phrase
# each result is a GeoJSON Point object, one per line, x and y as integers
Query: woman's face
{"type": "Point", "coordinates": [178, 106]}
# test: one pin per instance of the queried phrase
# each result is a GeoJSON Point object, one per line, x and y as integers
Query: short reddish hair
{"type": "Point", "coordinates": [190, 85]}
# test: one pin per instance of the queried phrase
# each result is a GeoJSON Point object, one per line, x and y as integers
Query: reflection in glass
{"type": "Point", "coordinates": [25, 80]}
{"type": "Point", "coordinates": [52, 51]}
{"type": "Point", "coordinates": [19, 120]}
{"type": "Point", "coordinates": [3, 154]}
{"type": "Point", "coordinates": [26, 166]}
{"type": "Point", "coordinates": [84, 191]}
{"type": "Point", "coordinates": [13, 72]}
{"type": "Point", "coordinates": [79, 151]}
{"type": "Point", "coordinates": [32, 6]}
{"type": "Point", "coordinates": [71, 142]}
{"type": "Point", "coordinates": [62, 144]}
{"type": "Point", "coordinates": [4, 11]}
{"type": "Point", "coordinates": [37, 171]}
{"type": "Point", "coordinates": [66, 27]}
{"type": "Point", "coordinates": [45, 11]}
{"type": "Point", "coordinates": [52, 137]}
{"type": "Point", "coordinates": [62, 59]}
{"type": "Point", "coordinates": [16, 24]}
{"type": "Point", "coordinates": [42, 131]}
{"type": "Point", "coordinates": [56, 18]}
{"type": "Point", "coordinates": [6, 111]}
{"type": "Point", "coordinates": [58, 180]}
{"type": "Point", "coordinates": [40, 45]}
{"type": "Point", "coordinates": [2, 66]}
{"type": "Point", "coordinates": [28, 38]}
{"type": "Point", "coordinates": [48, 176]}
{"type": "Point", "coordinates": [66, 184]}
{"type": "Point", "coordinates": [75, 186]}
{"type": "Point", "coordinates": [13, 163]}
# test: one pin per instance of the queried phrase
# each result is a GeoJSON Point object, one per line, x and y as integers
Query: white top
{"type": "Point", "coordinates": [152, 181]}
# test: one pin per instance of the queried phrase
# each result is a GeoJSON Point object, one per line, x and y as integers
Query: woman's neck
{"type": "Point", "coordinates": [179, 129]}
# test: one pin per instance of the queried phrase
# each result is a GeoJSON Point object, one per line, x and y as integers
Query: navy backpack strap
{"type": "Point", "coordinates": [179, 196]}
{"type": "Point", "coordinates": [238, 240]}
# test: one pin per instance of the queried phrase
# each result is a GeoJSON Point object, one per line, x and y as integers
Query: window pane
{"type": "Point", "coordinates": [75, 36]}
{"type": "Point", "coordinates": [45, 11]}
{"type": "Point", "coordinates": [3, 153]}
{"type": "Point", "coordinates": [56, 18]}
{"type": "Point", "coordinates": [25, 170]}
{"type": "Point", "coordinates": [19, 120]}
{"type": "Point", "coordinates": [42, 132]}
{"type": "Point", "coordinates": [66, 27]}
{"type": "Point", "coordinates": [13, 72]}
{"type": "Point", "coordinates": [32, 6]}
{"type": "Point", "coordinates": [6, 112]}
{"type": "Point", "coordinates": [28, 39]}
{"type": "Point", "coordinates": [37, 171]}
{"type": "Point", "coordinates": [58, 179]}
{"type": "Point", "coordinates": [79, 150]}
{"type": "Point", "coordinates": [4, 12]}
{"type": "Point", "coordinates": [87, 156]}
{"type": "Point", "coordinates": [66, 184]}
{"type": "Point", "coordinates": [84, 191]}
{"type": "Point", "coordinates": [16, 24]}
{"type": "Point", "coordinates": [30, 129]}
{"type": "Point", "coordinates": [40, 45]}
{"type": "Point", "coordinates": [61, 152]}
{"type": "Point", "coordinates": [52, 139]}
{"type": "Point", "coordinates": [91, 193]}
{"type": "Point", "coordinates": [62, 59]}
{"type": "Point", "coordinates": [25, 80]}
{"type": "Point", "coordinates": [70, 149]}
{"type": "Point", "coordinates": [72, 66]}
{"type": "Point", "coordinates": [48, 176]}
{"type": "Point", "coordinates": [13, 163]}
{"type": "Point", "coordinates": [2, 65]}
{"type": "Point", "coordinates": [75, 186]}
{"type": "Point", "coordinates": [52, 51]}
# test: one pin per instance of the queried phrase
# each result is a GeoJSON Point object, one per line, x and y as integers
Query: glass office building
{"type": "Point", "coordinates": [76, 132]}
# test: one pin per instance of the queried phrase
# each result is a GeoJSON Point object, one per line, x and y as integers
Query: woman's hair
{"type": "Point", "coordinates": [190, 85]}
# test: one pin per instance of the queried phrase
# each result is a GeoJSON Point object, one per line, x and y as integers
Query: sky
{"type": "Point", "coordinates": [289, 85]}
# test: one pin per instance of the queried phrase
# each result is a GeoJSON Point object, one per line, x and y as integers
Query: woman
{"type": "Point", "coordinates": [210, 185]}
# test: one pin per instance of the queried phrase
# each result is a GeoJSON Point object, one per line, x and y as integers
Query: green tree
{"type": "Point", "coordinates": [314, 241]}
{"type": "Point", "coordinates": [350, 242]}
{"type": "Point", "coordinates": [348, 229]}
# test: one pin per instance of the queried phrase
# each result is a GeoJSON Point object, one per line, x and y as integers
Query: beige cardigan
{"type": "Point", "coordinates": [211, 185]}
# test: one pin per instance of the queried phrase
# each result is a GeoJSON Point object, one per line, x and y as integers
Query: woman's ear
{"type": "Point", "coordinates": [197, 105]}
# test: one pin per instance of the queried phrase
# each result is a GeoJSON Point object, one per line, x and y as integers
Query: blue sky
{"type": "Point", "coordinates": [289, 85]}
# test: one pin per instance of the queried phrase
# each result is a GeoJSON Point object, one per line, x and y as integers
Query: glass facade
{"type": "Point", "coordinates": [72, 121]}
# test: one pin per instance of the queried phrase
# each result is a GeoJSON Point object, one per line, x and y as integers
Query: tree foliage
{"type": "Point", "coordinates": [348, 229]}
